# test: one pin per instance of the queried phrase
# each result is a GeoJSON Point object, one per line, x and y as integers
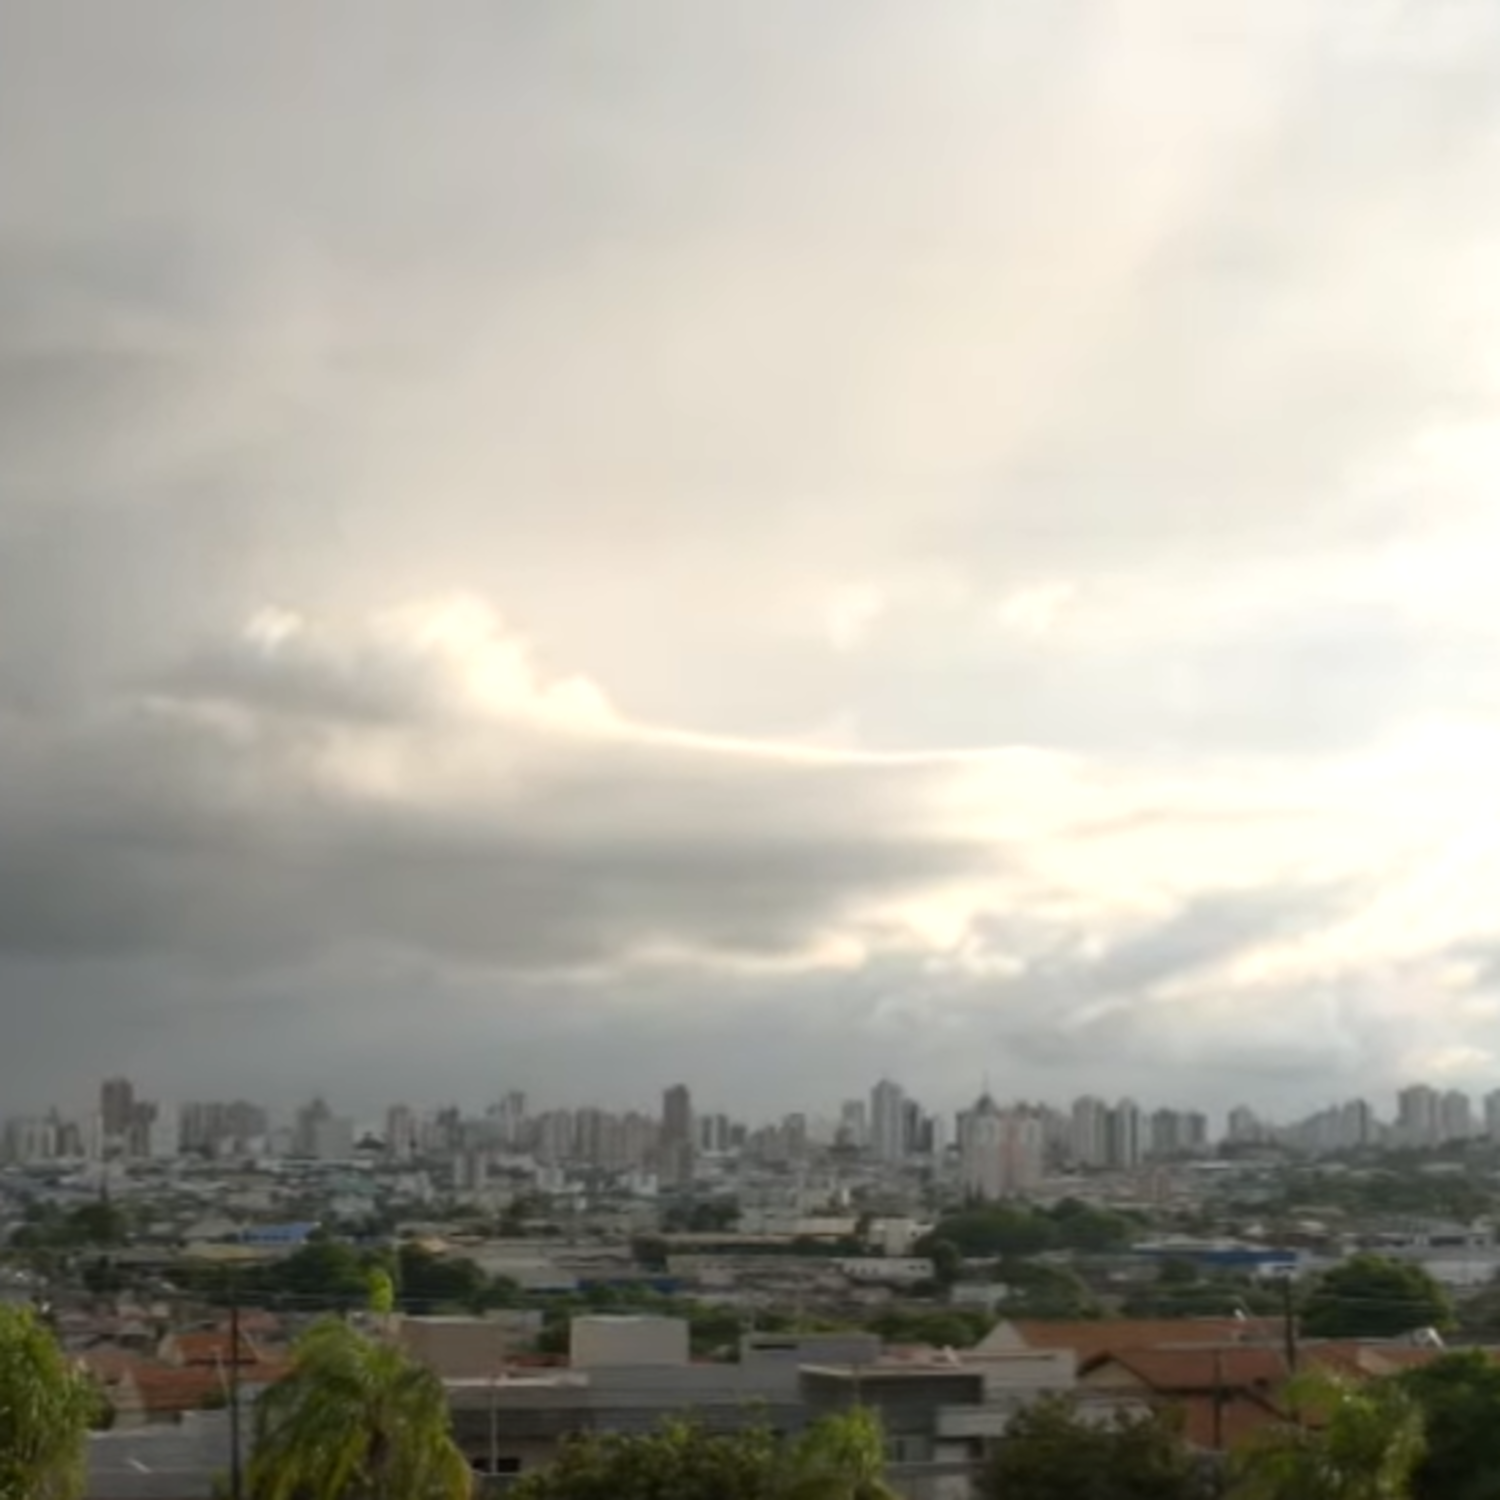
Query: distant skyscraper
{"type": "Point", "coordinates": [400, 1133]}
{"type": "Point", "coordinates": [854, 1127]}
{"type": "Point", "coordinates": [1418, 1115]}
{"type": "Point", "coordinates": [887, 1121]}
{"type": "Point", "coordinates": [1002, 1151]}
{"type": "Point", "coordinates": [677, 1140]}
{"type": "Point", "coordinates": [117, 1106]}
{"type": "Point", "coordinates": [1122, 1133]}
{"type": "Point", "coordinates": [1090, 1142]}
{"type": "Point", "coordinates": [677, 1114]}
{"type": "Point", "coordinates": [163, 1133]}
{"type": "Point", "coordinates": [1455, 1117]}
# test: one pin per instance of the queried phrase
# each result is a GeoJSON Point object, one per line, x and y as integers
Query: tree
{"type": "Point", "coordinates": [323, 1271]}
{"type": "Point", "coordinates": [679, 1460]}
{"type": "Point", "coordinates": [1351, 1443]}
{"type": "Point", "coordinates": [431, 1281]}
{"type": "Point", "coordinates": [355, 1419]}
{"type": "Point", "coordinates": [1036, 1290]}
{"type": "Point", "coordinates": [46, 1410]}
{"type": "Point", "coordinates": [1050, 1451]}
{"type": "Point", "coordinates": [382, 1292]}
{"type": "Point", "coordinates": [841, 1457]}
{"type": "Point", "coordinates": [947, 1261]}
{"type": "Point", "coordinates": [1459, 1398]}
{"type": "Point", "coordinates": [1371, 1296]}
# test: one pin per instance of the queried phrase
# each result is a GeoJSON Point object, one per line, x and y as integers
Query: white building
{"type": "Point", "coordinates": [164, 1133]}
{"type": "Point", "coordinates": [1002, 1152]}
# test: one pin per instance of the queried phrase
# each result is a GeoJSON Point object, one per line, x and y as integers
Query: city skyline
{"type": "Point", "coordinates": [764, 543]}
{"type": "Point", "coordinates": [888, 1122]}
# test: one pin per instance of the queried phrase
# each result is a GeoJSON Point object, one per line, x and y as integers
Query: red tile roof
{"type": "Point", "coordinates": [1221, 1367]}
{"type": "Point", "coordinates": [1094, 1336]}
{"type": "Point", "coordinates": [211, 1347]}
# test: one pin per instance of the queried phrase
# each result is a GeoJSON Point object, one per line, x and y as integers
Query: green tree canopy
{"type": "Point", "coordinates": [679, 1460]}
{"type": "Point", "coordinates": [947, 1261]}
{"type": "Point", "coordinates": [1372, 1296]}
{"type": "Point", "coordinates": [1353, 1442]}
{"type": "Point", "coordinates": [1037, 1290]}
{"type": "Point", "coordinates": [355, 1418]}
{"type": "Point", "coordinates": [1052, 1452]}
{"type": "Point", "coordinates": [840, 1458]}
{"type": "Point", "coordinates": [1015, 1229]}
{"type": "Point", "coordinates": [1459, 1398]}
{"type": "Point", "coordinates": [46, 1410]}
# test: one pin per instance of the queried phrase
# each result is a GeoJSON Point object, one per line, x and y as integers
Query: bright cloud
{"type": "Point", "coordinates": [581, 547]}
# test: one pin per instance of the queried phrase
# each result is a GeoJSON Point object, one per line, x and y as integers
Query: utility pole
{"type": "Point", "coordinates": [236, 1476]}
{"type": "Point", "coordinates": [1289, 1323]}
{"type": "Point", "coordinates": [1218, 1400]}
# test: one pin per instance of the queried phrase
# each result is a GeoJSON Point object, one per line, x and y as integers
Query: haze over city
{"type": "Point", "coordinates": [568, 548]}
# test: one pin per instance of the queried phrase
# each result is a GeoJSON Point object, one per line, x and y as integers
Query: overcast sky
{"type": "Point", "coordinates": [572, 546]}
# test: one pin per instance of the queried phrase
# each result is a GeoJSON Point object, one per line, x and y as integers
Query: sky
{"type": "Point", "coordinates": [572, 547]}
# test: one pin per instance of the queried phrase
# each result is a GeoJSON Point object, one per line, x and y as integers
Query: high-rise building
{"type": "Point", "coordinates": [1244, 1127]}
{"type": "Point", "coordinates": [1492, 1115]}
{"type": "Point", "coordinates": [1089, 1134]}
{"type": "Point", "coordinates": [854, 1127]}
{"type": "Point", "coordinates": [1418, 1116]}
{"type": "Point", "coordinates": [117, 1107]}
{"type": "Point", "coordinates": [887, 1121]}
{"type": "Point", "coordinates": [1122, 1136]}
{"type": "Point", "coordinates": [676, 1114]}
{"type": "Point", "coordinates": [163, 1133]}
{"type": "Point", "coordinates": [333, 1138]}
{"type": "Point", "coordinates": [1001, 1152]}
{"type": "Point", "coordinates": [400, 1133]}
{"type": "Point", "coordinates": [305, 1133]}
{"type": "Point", "coordinates": [677, 1141]}
{"type": "Point", "coordinates": [1455, 1117]}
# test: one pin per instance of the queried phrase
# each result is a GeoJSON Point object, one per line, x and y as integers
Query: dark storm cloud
{"type": "Point", "coordinates": [145, 832]}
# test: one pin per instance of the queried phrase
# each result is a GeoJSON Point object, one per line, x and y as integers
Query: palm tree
{"type": "Point", "coordinates": [840, 1458]}
{"type": "Point", "coordinates": [46, 1410]}
{"type": "Point", "coordinates": [355, 1419]}
{"type": "Point", "coordinates": [1355, 1442]}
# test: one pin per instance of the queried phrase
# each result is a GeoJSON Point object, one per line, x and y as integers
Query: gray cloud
{"type": "Point", "coordinates": [1137, 380]}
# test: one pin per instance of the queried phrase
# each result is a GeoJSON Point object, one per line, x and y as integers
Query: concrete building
{"type": "Point", "coordinates": [400, 1133]}
{"type": "Point", "coordinates": [1418, 1116]}
{"type": "Point", "coordinates": [459, 1348]}
{"type": "Point", "coordinates": [1123, 1136]}
{"type": "Point", "coordinates": [163, 1133]}
{"type": "Point", "coordinates": [1492, 1115]}
{"type": "Point", "coordinates": [1001, 1152]}
{"type": "Point", "coordinates": [887, 1121]}
{"type": "Point", "coordinates": [678, 1142]}
{"type": "Point", "coordinates": [117, 1107]}
{"type": "Point", "coordinates": [634, 1342]}
{"type": "Point", "coordinates": [1455, 1117]}
{"type": "Point", "coordinates": [333, 1138]}
{"type": "Point", "coordinates": [1089, 1135]}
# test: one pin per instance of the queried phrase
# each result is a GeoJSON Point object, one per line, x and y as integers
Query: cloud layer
{"type": "Point", "coordinates": [544, 550]}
